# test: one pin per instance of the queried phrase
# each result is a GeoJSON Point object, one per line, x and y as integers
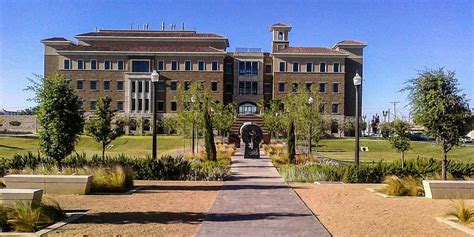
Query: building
{"type": "Point", "coordinates": [118, 63]}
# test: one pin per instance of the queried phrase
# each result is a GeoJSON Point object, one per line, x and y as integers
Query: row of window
{"type": "Point", "coordinates": [296, 67]}
{"type": "Point", "coordinates": [94, 85]}
{"type": "Point", "coordinates": [93, 104]}
{"type": "Point", "coordinates": [138, 86]}
{"type": "Point", "coordinates": [160, 105]}
{"type": "Point", "coordinates": [308, 87]}
{"type": "Point", "coordinates": [93, 65]}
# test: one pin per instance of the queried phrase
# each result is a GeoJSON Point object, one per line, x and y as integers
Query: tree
{"type": "Point", "coordinates": [385, 130]}
{"type": "Point", "coordinates": [291, 142]}
{"type": "Point", "coordinates": [29, 111]}
{"type": "Point", "coordinates": [439, 106]}
{"type": "Point", "coordinates": [100, 127]}
{"type": "Point", "coordinates": [209, 143]}
{"type": "Point", "coordinates": [400, 138]}
{"type": "Point", "coordinates": [271, 117]}
{"type": "Point", "coordinates": [60, 116]}
{"type": "Point", "coordinates": [223, 117]}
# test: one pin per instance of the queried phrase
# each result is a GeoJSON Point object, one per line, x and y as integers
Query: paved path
{"type": "Point", "coordinates": [257, 202]}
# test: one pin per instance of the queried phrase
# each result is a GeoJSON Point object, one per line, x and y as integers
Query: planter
{"type": "Point", "coordinates": [51, 184]}
{"type": "Point", "coordinates": [448, 189]}
{"type": "Point", "coordinates": [9, 197]}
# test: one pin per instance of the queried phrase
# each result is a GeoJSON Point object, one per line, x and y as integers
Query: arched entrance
{"type": "Point", "coordinates": [247, 108]}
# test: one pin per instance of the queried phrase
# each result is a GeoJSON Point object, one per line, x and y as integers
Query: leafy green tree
{"type": "Point", "coordinates": [29, 111]}
{"type": "Point", "coordinates": [385, 130]}
{"type": "Point", "coordinates": [271, 117]}
{"type": "Point", "coordinates": [60, 116]}
{"type": "Point", "coordinates": [100, 127]}
{"type": "Point", "coordinates": [400, 138]}
{"type": "Point", "coordinates": [223, 117]}
{"type": "Point", "coordinates": [438, 104]}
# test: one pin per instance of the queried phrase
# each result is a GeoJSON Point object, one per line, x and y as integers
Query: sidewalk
{"type": "Point", "coordinates": [258, 202]}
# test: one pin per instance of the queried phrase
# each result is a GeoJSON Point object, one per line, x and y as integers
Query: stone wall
{"type": "Point", "coordinates": [27, 123]}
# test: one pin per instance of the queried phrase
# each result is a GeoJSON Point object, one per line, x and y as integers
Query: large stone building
{"type": "Point", "coordinates": [118, 63]}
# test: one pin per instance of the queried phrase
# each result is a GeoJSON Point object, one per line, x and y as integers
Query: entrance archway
{"type": "Point", "coordinates": [247, 108]}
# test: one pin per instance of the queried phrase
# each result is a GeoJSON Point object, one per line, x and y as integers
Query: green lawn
{"type": "Point", "coordinates": [129, 145]}
{"type": "Point", "coordinates": [343, 149]}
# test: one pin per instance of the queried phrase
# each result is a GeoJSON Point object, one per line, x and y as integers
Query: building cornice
{"type": "Point", "coordinates": [144, 53]}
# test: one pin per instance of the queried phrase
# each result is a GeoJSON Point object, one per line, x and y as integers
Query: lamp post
{"type": "Point", "coordinates": [310, 133]}
{"type": "Point", "coordinates": [192, 111]}
{"type": "Point", "coordinates": [357, 83]}
{"type": "Point", "coordinates": [155, 77]}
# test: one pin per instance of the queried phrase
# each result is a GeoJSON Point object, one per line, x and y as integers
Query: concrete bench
{"type": "Point", "coordinates": [448, 189]}
{"type": "Point", "coordinates": [51, 184]}
{"type": "Point", "coordinates": [9, 197]}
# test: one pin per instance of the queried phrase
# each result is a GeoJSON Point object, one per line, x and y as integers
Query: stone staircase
{"type": "Point", "coordinates": [234, 136]}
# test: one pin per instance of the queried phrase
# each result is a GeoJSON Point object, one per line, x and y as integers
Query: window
{"type": "Point", "coordinates": [335, 108]}
{"type": "Point", "coordinates": [228, 68]}
{"type": "Point", "coordinates": [214, 86]}
{"type": "Point", "coordinates": [140, 65]}
{"type": "Point", "coordinates": [106, 85]}
{"type": "Point", "coordinates": [186, 85]}
{"type": "Point", "coordinates": [120, 105]}
{"type": "Point", "coordinates": [147, 104]}
{"type": "Point", "coordinates": [280, 35]}
{"type": "Point", "coordinates": [93, 104]}
{"type": "Point", "coordinates": [267, 88]}
{"type": "Point", "coordinates": [133, 104]}
{"type": "Point", "coordinates": [120, 85]}
{"type": "Point", "coordinates": [161, 65]}
{"type": "Point", "coordinates": [268, 68]}
{"type": "Point", "coordinates": [93, 64]}
{"type": "Point", "coordinates": [335, 87]}
{"type": "Point", "coordinates": [140, 104]}
{"type": "Point", "coordinates": [161, 86]}
{"type": "Point", "coordinates": [80, 64]}
{"type": "Point", "coordinates": [81, 104]}
{"type": "Point", "coordinates": [107, 65]}
{"type": "Point", "coordinates": [336, 67]}
{"type": "Point", "coordinates": [147, 86]}
{"type": "Point", "coordinates": [215, 66]}
{"type": "Point", "coordinates": [294, 87]}
{"type": "Point", "coordinates": [80, 85]}
{"type": "Point", "coordinates": [160, 106]}
{"type": "Point", "coordinates": [228, 88]}
{"type": "Point", "coordinates": [281, 87]}
{"type": "Point", "coordinates": [308, 86]}
{"type": "Point", "coordinates": [67, 64]}
{"type": "Point", "coordinates": [201, 66]}
{"type": "Point", "coordinates": [120, 65]}
{"type": "Point", "coordinates": [187, 65]}
{"type": "Point", "coordinates": [321, 108]}
{"type": "Point", "coordinates": [140, 86]}
{"type": "Point", "coordinates": [309, 67]}
{"type": "Point", "coordinates": [248, 88]}
{"type": "Point", "coordinates": [322, 87]}
{"type": "Point", "coordinates": [174, 65]}
{"type": "Point", "coordinates": [174, 85]}
{"type": "Point", "coordinates": [322, 67]}
{"type": "Point", "coordinates": [254, 68]}
{"type": "Point", "coordinates": [133, 86]}
{"type": "Point", "coordinates": [93, 85]}
{"type": "Point", "coordinates": [248, 68]}
{"type": "Point", "coordinates": [174, 106]}
{"type": "Point", "coordinates": [282, 66]}
{"type": "Point", "coordinates": [296, 67]}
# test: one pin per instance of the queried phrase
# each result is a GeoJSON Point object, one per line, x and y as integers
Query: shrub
{"type": "Point", "coordinates": [3, 219]}
{"type": "Point", "coordinates": [51, 211]}
{"type": "Point", "coordinates": [280, 159]}
{"type": "Point", "coordinates": [209, 171]}
{"type": "Point", "coordinates": [24, 217]}
{"type": "Point", "coordinates": [310, 173]}
{"type": "Point", "coordinates": [463, 213]}
{"type": "Point", "coordinates": [15, 123]}
{"type": "Point", "coordinates": [115, 179]}
{"type": "Point", "coordinates": [408, 186]}
{"type": "Point", "coordinates": [166, 168]}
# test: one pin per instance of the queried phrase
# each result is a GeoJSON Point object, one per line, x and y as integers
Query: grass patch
{"type": "Point", "coordinates": [24, 217]}
{"type": "Point", "coordinates": [463, 213]}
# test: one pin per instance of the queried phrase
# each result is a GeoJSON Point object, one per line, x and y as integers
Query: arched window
{"type": "Point", "coordinates": [280, 35]}
{"type": "Point", "coordinates": [247, 108]}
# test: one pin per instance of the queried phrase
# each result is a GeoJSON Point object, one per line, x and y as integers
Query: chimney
{"type": "Point", "coordinates": [182, 26]}
{"type": "Point", "coordinates": [162, 25]}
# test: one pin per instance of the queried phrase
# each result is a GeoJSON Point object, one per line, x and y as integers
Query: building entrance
{"type": "Point", "coordinates": [247, 108]}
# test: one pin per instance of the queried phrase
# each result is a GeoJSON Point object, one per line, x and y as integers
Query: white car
{"type": "Point", "coordinates": [465, 139]}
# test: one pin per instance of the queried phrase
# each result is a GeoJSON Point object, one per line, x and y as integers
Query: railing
{"type": "Point", "coordinates": [248, 50]}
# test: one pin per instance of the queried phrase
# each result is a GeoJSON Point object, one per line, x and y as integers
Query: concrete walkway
{"type": "Point", "coordinates": [258, 202]}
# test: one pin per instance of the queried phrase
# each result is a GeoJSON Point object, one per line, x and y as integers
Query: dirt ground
{"type": "Point", "coordinates": [161, 208]}
{"type": "Point", "coordinates": [351, 210]}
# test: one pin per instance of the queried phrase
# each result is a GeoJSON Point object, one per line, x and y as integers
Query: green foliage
{"type": "Point", "coordinates": [60, 117]}
{"type": "Point", "coordinates": [385, 130]}
{"type": "Point", "coordinates": [439, 105]}
{"type": "Point", "coordinates": [309, 173]}
{"type": "Point", "coordinates": [168, 168]}
{"type": "Point", "coordinates": [407, 186]}
{"type": "Point", "coordinates": [272, 119]}
{"type": "Point", "coordinates": [115, 179]}
{"type": "Point", "coordinates": [209, 171]}
{"type": "Point", "coordinates": [462, 212]}
{"type": "Point", "coordinates": [223, 116]}
{"type": "Point", "coordinates": [100, 127]}
{"type": "Point", "coordinates": [24, 217]}
{"type": "Point", "coordinates": [400, 139]}
{"type": "Point", "coordinates": [291, 142]}
{"type": "Point", "coordinates": [15, 123]}
{"type": "Point", "coordinates": [3, 219]}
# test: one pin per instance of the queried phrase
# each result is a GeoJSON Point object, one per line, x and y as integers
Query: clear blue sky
{"type": "Point", "coordinates": [403, 36]}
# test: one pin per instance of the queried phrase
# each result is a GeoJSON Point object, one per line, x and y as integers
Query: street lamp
{"type": "Point", "coordinates": [310, 134]}
{"type": "Point", "coordinates": [155, 77]}
{"type": "Point", "coordinates": [357, 83]}
{"type": "Point", "coordinates": [192, 111]}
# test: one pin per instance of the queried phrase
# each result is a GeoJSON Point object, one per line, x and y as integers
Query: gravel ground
{"type": "Point", "coordinates": [351, 210]}
{"type": "Point", "coordinates": [161, 208]}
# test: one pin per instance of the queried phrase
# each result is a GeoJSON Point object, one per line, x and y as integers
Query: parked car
{"type": "Point", "coordinates": [418, 137]}
{"type": "Point", "coordinates": [465, 139]}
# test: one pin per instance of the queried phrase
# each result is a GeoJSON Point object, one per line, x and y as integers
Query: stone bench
{"type": "Point", "coordinates": [448, 189]}
{"type": "Point", "coordinates": [9, 197]}
{"type": "Point", "coordinates": [51, 184]}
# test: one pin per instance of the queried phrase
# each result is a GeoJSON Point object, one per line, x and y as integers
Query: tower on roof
{"type": "Point", "coordinates": [280, 36]}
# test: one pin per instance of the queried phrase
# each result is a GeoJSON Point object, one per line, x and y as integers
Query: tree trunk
{"type": "Point", "coordinates": [103, 152]}
{"type": "Point", "coordinates": [403, 159]}
{"type": "Point", "coordinates": [291, 142]}
{"type": "Point", "coordinates": [444, 165]}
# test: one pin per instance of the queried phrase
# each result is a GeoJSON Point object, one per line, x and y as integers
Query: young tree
{"type": "Point", "coordinates": [385, 129]}
{"type": "Point", "coordinates": [60, 116]}
{"type": "Point", "coordinates": [400, 138]}
{"type": "Point", "coordinates": [271, 117]}
{"type": "Point", "coordinates": [291, 142]}
{"type": "Point", "coordinates": [223, 117]}
{"type": "Point", "coordinates": [439, 106]}
{"type": "Point", "coordinates": [100, 127]}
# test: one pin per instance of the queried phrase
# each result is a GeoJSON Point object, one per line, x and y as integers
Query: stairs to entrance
{"type": "Point", "coordinates": [241, 119]}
